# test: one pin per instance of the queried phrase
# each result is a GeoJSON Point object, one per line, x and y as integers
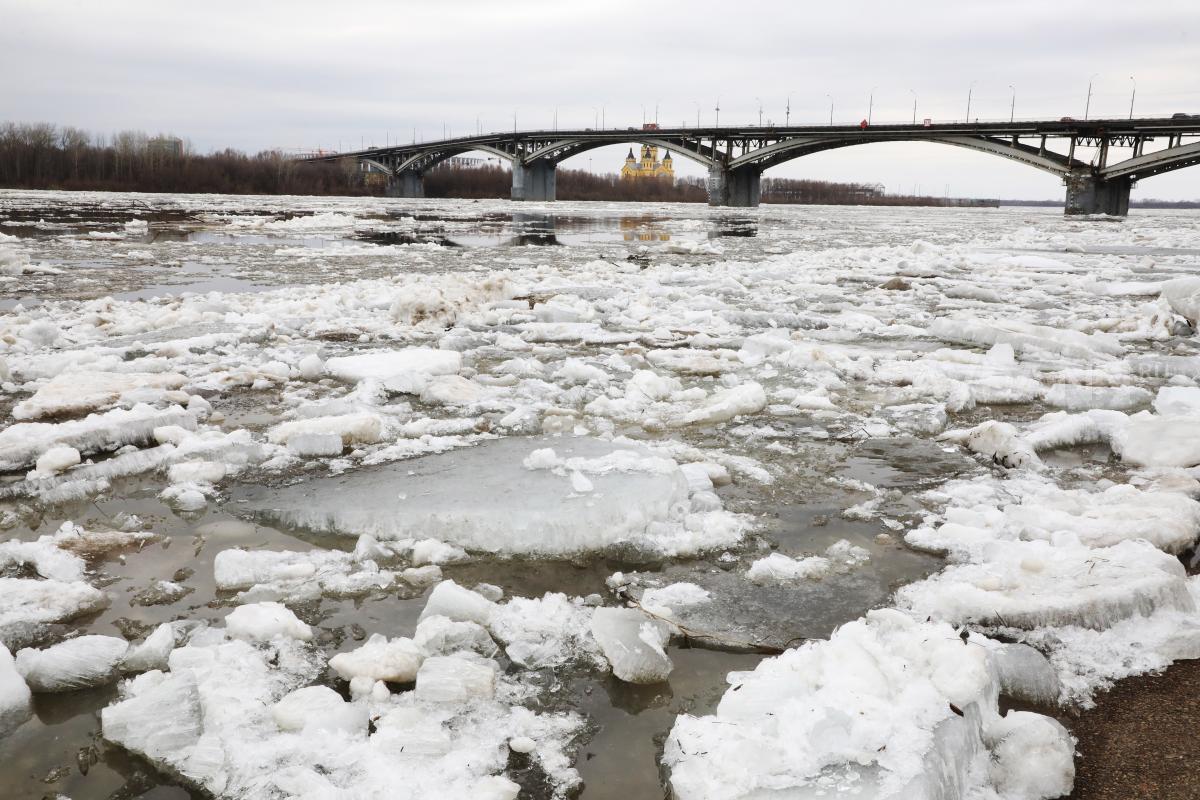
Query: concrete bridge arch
{"type": "Point", "coordinates": [736, 157]}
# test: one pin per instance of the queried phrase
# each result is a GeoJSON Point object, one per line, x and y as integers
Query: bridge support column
{"type": "Point", "coordinates": [534, 181]}
{"type": "Point", "coordinates": [1087, 194]}
{"type": "Point", "coordinates": [733, 187]}
{"type": "Point", "coordinates": [406, 184]}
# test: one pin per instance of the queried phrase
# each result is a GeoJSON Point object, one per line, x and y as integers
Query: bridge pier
{"type": "Point", "coordinates": [534, 181]}
{"type": "Point", "coordinates": [407, 184]}
{"type": "Point", "coordinates": [733, 187]}
{"type": "Point", "coordinates": [1088, 194]}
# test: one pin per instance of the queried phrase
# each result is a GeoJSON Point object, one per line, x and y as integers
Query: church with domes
{"type": "Point", "coordinates": [649, 166]}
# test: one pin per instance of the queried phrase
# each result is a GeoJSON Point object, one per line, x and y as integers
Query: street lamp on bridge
{"type": "Point", "coordinates": [787, 113]}
{"type": "Point", "coordinates": [759, 99]}
{"type": "Point", "coordinates": [1088, 105]}
{"type": "Point", "coordinates": [717, 120]}
{"type": "Point", "coordinates": [870, 104]}
{"type": "Point", "coordinates": [1012, 107]}
{"type": "Point", "coordinates": [914, 94]}
{"type": "Point", "coordinates": [830, 109]}
{"type": "Point", "coordinates": [970, 90]}
{"type": "Point", "coordinates": [1133, 96]}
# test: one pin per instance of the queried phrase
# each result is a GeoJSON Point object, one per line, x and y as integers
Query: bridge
{"type": "Point", "coordinates": [735, 157]}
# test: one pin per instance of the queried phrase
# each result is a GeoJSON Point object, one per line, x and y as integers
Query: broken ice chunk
{"type": "Point", "coordinates": [151, 653]}
{"type": "Point", "coordinates": [74, 664]}
{"type": "Point", "coordinates": [15, 698]}
{"type": "Point", "coordinates": [57, 459]}
{"type": "Point", "coordinates": [262, 622]}
{"type": "Point", "coordinates": [352, 428]}
{"type": "Point", "coordinates": [432, 551]}
{"type": "Point", "coordinates": [319, 708]}
{"type": "Point", "coordinates": [24, 600]}
{"type": "Point", "coordinates": [1033, 756]}
{"type": "Point", "coordinates": [778, 568]}
{"type": "Point", "coordinates": [1025, 674]}
{"type": "Point", "coordinates": [456, 679]}
{"type": "Point", "coordinates": [391, 364]}
{"type": "Point", "coordinates": [633, 643]}
{"type": "Point", "coordinates": [76, 392]}
{"type": "Point", "coordinates": [316, 444]}
{"type": "Point", "coordinates": [448, 599]}
{"type": "Point", "coordinates": [1031, 584]}
{"type": "Point", "coordinates": [159, 717]}
{"type": "Point", "coordinates": [1151, 441]}
{"type": "Point", "coordinates": [380, 659]}
{"type": "Point", "coordinates": [437, 635]}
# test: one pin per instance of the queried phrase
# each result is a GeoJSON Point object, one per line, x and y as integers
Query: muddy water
{"type": "Point", "coordinates": [60, 750]}
{"type": "Point", "coordinates": [197, 249]}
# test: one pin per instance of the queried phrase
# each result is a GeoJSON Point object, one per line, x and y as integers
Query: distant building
{"type": "Point", "coordinates": [165, 145]}
{"type": "Point", "coordinates": [649, 166]}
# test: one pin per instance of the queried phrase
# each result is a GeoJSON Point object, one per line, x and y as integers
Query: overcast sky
{"type": "Point", "coordinates": [255, 75]}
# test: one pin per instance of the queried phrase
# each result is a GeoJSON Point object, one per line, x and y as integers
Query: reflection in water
{"type": "Point", "coordinates": [643, 229]}
{"type": "Point", "coordinates": [541, 230]}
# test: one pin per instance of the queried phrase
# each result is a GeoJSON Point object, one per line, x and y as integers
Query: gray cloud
{"type": "Point", "coordinates": [299, 74]}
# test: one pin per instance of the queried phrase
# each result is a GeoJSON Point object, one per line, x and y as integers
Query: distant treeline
{"type": "Point", "coordinates": [43, 156]}
{"type": "Point", "coordinates": [496, 181]}
{"type": "Point", "coordinates": [1149, 202]}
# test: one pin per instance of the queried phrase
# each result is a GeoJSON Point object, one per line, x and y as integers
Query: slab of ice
{"type": "Point", "coordinates": [380, 659]}
{"type": "Point", "coordinates": [394, 366]}
{"type": "Point", "coordinates": [887, 708]}
{"type": "Point", "coordinates": [57, 459]}
{"type": "Point", "coordinates": [244, 721]}
{"type": "Point", "coordinates": [297, 576]}
{"type": "Point", "coordinates": [1178, 401]}
{"type": "Point", "coordinates": [1027, 338]}
{"type": "Point", "coordinates": [1032, 756]}
{"type": "Point", "coordinates": [1035, 508]}
{"type": "Point", "coordinates": [1026, 585]}
{"type": "Point", "coordinates": [725, 404]}
{"type": "Point", "coordinates": [634, 644]}
{"type": "Point", "coordinates": [675, 595]}
{"type": "Point", "coordinates": [778, 568]}
{"type": "Point", "coordinates": [1183, 295]}
{"type": "Point", "coordinates": [456, 679]}
{"type": "Point", "coordinates": [44, 557]}
{"type": "Point", "coordinates": [152, 653]}
{"type": "Point", "coordinates": [259, 622]}
{"type": "Point", "coordinates": [919, 418]}
{"type": "Point", "coordinates": [15, 697]}
{"type": "Point", "coordinates": [25, 600]}
{"type": "Point", "coordinates": [319, 708]}
{"type": "Point", "coordinates": [454, 602]}
{"type": "Point", "coordinates": [546, 632]}
{"type": "Point", "coordinates": [1024, 673]}
{"type": "Point", "coordinates": [438, 635]}
{"type": "Point", "coordinates": [74, 664]}
{"type": "Point", "coordinates": [1081, 398]}
{"type": "Point", "coordinates": [483, 499]}
{"type": "Point", "coordinates": [316, 444]}
{"type": "Point", "coordinates": [77, 392]}
{"type": "Point", "coordinates": [1088, 660]}
{"type": "Point", "coordinates": [351, 428]}
{"type": "Point", "coordinates": [22, 443]}
{"type": "Point", "coordinates": [1152, 441]}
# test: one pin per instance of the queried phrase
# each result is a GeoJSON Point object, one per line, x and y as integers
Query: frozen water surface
{"type": "Point", "coordinates": [543, 491]}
